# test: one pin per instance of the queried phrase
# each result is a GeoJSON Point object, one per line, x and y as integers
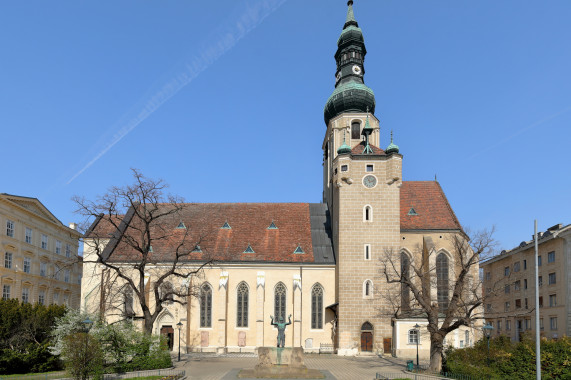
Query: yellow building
{"type": "Point", "coordinates": [39, 254]}
{"type": "Point", "coordinates": [318, 262]}
{"type": "Point", "coordinates": [509, 286]}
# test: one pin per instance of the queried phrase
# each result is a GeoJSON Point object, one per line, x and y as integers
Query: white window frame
{"type": "Point", "coordinates": [27, 265]}
{"type": "Point", "coordinates": [67, 250]}
{"type": "Point", "coordinates": [553, 323]}
{"type": "Point", "coordinates": [29, 235]}
{"type": "Point", "coordinates": [6, 290]}
{"type": "Point", "coordinates": [43, 269]}
{"type": "Point", "coordinates": [66, 275]}
{"type": "Point", "coordinates": [10, 230]}
{"type": "Point", "coordinates": [8, 258]}
{"type": "Point", "coordinates": [367, 252]}
{"type": "Point", "coordinates": [45, 241]}
{"type": "Point", "coordinates": [370, 213]}
{"type": "Point", "coordinates": [42, 297]}
{"type": "Point", "coordinates": [413, 336]}
{"type": "Point", "coordinates": [58, 247]}
{"type": "Point", "coordinates": [25, 295]}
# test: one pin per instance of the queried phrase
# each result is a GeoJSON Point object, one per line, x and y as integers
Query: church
{"type": "Point", "coordinates": [318, 263]}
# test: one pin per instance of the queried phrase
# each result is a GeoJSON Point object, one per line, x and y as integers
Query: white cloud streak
{"type": "Point", "coordinates": [248, 21]}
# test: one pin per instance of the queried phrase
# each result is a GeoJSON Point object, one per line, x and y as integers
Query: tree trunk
{"type": "Point", "coordinates": [436, 347]}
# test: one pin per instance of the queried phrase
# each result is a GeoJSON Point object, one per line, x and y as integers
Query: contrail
{"type": "Point", "coordinates": [537, 123]}
{"type": "Point", "coordinates": [248, 21]}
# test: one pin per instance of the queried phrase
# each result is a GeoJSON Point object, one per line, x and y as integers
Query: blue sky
{"type": "Point", "coordinates": [224, 100]}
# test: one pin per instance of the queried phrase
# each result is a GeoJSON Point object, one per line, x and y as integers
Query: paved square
{"type": "Point", "coordinates": [226, 367]}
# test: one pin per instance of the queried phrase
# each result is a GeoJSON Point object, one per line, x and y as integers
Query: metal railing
{"type": "Point", "coordinates": [39, 376]}
{"type": "Point", "coordinates": [170, 373]}
{"type": "Point", "coordinates": [425, 376]}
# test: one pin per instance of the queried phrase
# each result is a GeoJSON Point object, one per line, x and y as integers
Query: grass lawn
{"type": "Point", "coordinates": [35, 376]}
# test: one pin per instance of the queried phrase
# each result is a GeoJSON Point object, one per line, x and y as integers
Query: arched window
{"type": "Point", "coordinates": [367, 213]}
{"type": "Point", "coordinates": [367, 288]}
{"type": "Point", "coordinates": [355, 130]}
{"type": "Point", "coordinates": [242, 305]}
{"type": "Point", "coordinates": [206, 306]}
{"type": "Point", "coordinates": [442, 281]}
{"type": "Point", "coordinates": [317, 307]}
{"type": "Point", "coordinates": [367, 326]}
{"type": "Point", "coordinates": [404, 288]}
{"type": "Point", "coordinates": [413, 337]}
{"type": "Point", "coordinates": [280, 302]}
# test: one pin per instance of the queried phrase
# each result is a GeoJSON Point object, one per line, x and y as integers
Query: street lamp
{"type": "Point", "coordinates": [417, 327]}
{"type": "Point", "coordinates": [86, 327]}
{"type": "Point", "coordinates": [179, 327]}
{"type": "Point", "coordinates": [488, 332]}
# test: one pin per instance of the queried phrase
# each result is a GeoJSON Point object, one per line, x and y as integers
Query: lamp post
{"type": "Point", "coordinates": [179, 327]}
{"type": "Point", "coordinates": [86, 327]}
{"type": "Point", "coordinates": [417, 327]}
{"type": "Point", "coordinates": [487, 332]}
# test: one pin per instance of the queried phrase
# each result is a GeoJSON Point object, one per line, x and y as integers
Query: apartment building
{"type": "Point", "coordinates": [39, 260]}
{"type": "Point", "coordinates": [509, 286]}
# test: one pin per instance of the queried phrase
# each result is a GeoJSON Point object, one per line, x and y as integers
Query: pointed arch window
{"type": "Point", "coordinates": [367, 289]}
{"type": "Point", "coordinates": [206, 306]}
{"type": "Point", "coordinates": [280, 302]}
{"type": "Point", "coordinates": [405, 276]}
{"type": "Point", "coordinates": [317, 307]}
{"type": "Point", "coordinates": [442, 287]}
{"type": "Point", "coordinates": [242, 305]}
{"type": "Point", "coordinates": [166, 292]}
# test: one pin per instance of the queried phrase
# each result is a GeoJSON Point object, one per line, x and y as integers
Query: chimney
{"type": "Point", "coordinates": [73, 226]}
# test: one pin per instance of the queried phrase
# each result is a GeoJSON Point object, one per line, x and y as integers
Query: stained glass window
{"type": "Point", "coordinates": [280, 302]}
{"type": "Point", "coordinates": [242, 307]}
{"type": "Point", "coordinates": [317, 307]}
{"type": "Point", "coordinates": [205, 306]}
{"type": "Point", "coordinates": [442, 281]}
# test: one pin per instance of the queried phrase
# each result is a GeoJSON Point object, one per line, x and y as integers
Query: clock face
{"type": "Point", "coordinates": [357, 70]}
{"type": "Point", "coordinates": [369, 181]}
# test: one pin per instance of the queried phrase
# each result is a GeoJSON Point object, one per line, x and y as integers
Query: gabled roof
{"type": "Point", "coordinates": [298, 225]}
{"type": "Point", "coordinates": [358, 149]}
{"type": "Point", "coordinates": [432, 210]}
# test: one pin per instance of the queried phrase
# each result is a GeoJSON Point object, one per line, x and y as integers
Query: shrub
{"type": "Point", "coordinates": [82, 356]}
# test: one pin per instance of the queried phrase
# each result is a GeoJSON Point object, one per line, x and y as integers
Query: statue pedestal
{"type": "Point", "coordinates": [281, 363]}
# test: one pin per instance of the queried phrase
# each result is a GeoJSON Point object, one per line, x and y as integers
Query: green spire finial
{"type": "Point", "coordinates": [350, 16]}
{"type": "Point", "coordinates": [344, 148]}
{"type": "Point", "coordinates": [392, 148]}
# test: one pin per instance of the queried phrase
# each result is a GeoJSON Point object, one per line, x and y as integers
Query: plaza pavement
{"type": "Point", "coordinates": [226, 367]}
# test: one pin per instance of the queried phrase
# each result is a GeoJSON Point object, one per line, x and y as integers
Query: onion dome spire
{"type": "Point", "coordinates": [350, 94]}
{"type": "Point", "coordinates": [344, 148]}
{"type": "Point", "coordinates": [392, 148]}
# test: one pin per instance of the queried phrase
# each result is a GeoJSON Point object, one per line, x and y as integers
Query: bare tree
{"type": "Point", "coordinates": [446, 291]}
{"type": "Point", "coordinates": [139, 245]}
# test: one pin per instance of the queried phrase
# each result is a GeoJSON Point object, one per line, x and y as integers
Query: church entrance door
{"type": "Point", "coordinates": [168, 331]}
{"type": "Point", "coordinates": [367, 341]}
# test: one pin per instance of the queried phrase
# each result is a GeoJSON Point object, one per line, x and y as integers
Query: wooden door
{"type": "Point", "coordinates": [168, 331]}
{"type": "Point", "coordinates": [387, 345]}
{"type": "Point", "coordinates": [367, 341]}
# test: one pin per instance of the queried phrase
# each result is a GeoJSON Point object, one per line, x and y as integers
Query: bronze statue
{"type": "Point", "coordinates": [281, 325]}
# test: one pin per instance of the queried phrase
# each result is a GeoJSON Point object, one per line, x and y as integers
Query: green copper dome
{"type": "Point", "coordinates": [350, 94]}
{"type": "Point", "coordinates": [392, 148]}
{"type": "Point", "coordinates": [349, 97]}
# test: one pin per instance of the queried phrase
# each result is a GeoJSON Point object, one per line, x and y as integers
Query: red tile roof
{"type": "Point", "coordinates": [358, 149]}
{"type": "Point", "coordinates": [249, 224]}
{"type": "Point", "coordinates": [430, 203]}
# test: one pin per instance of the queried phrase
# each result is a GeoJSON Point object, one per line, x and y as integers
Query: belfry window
{"type": "Point", "coordinates": [356, 130]}
{"type": "Point", "coordinates": [280, 302]}
{"type": "Point", "coordinates": [205, 306]}
{"type": "Point", "coordinates": [242, 305]}
{"type": "Point", "coordinates": [317, 307]}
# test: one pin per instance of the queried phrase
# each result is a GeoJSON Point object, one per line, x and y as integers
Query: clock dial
{"type": "Point", "coordinates": [357, 70]}
{"type": "Point", "coordinates": [369, 181]}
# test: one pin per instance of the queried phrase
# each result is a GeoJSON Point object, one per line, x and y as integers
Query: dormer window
{"type": "Point", "coordinates": [181, 226]}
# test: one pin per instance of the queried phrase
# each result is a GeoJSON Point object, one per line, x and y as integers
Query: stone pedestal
{"type": "Point", "coordinates": [281, 363]}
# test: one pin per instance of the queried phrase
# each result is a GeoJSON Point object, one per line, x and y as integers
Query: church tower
{"type": "Point", "coordinates": [361, 186]}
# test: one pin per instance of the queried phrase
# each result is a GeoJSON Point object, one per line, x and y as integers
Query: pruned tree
{"type": "Point", "coordinates": [445, 289]}
{"type": "Point", "coordinates": [137, 250]}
